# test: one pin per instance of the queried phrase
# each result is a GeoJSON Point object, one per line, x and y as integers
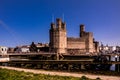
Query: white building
{"type": "Point", "coordinates": [23, 49]}
{"type": "Point", "coordinates": [3, 50]}
{"type": "Point", "coordinates": [112, 48]}
{"type": "Point", "coordinates": [107, 49]}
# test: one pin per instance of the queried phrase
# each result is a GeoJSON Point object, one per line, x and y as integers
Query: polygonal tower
{"type": "Point", "coordinates": [82, 30]}
{"type": "Point", "coordinates": [58, 38]}
{"type": "Point", "coordinates": [88, 36]}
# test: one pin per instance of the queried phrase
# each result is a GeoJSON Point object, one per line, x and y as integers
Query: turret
{"type": "Point", "coordinates": [64, 25]}
{"type": "Point", "coordinates": [53, 26]}
{"type": "Point", "coordinates": [82, 30]}
{"type": "Point", "coordinates": [59, 23]}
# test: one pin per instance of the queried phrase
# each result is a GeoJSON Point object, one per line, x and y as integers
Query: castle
{"type": "Point", "coordinates": [60, 43]}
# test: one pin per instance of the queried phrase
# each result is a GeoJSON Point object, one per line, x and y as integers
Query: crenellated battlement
{"type": "Point", "coordinates": [59, 25]}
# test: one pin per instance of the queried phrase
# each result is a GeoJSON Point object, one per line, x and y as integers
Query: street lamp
{"type": "Point", "coordinates": [116, 57]}
{"type": "Point", "coordinates": [117, 65]}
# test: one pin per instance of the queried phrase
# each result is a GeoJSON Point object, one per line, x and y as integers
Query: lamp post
{"type": "Point", "coordinates": [116, 58]}
{"type": "Point", "coordinates": [116, 65]}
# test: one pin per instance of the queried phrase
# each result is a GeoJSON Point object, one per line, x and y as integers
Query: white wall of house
{"type": "Point", "coordinates": [25, 50]}
{"type": "Point", "coordinates": [3, 50]}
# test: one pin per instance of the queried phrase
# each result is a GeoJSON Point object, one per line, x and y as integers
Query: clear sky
{"type": "Point", "coordinates": [24, 21]}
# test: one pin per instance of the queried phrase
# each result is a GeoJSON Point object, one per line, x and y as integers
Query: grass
{"type": "Point", "coordinates": [6, 74]}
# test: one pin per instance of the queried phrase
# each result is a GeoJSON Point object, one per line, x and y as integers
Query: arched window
{"type": "Point", "coordinates": [5, 49]}
{"type": "Point", "coordinates": [2, 49]}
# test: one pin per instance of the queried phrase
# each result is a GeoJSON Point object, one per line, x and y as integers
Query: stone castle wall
{"type": "Point", "coordinates": [75, 43]}
{"type": "Point", "coordinates": [60, 43]}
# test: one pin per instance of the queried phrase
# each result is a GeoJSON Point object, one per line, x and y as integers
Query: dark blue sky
{"type": "Point", "coordinates": [24, 21]}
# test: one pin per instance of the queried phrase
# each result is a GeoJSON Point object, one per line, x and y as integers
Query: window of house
{"type": "Point", "coordinates": [2, 49]}
{"type": "Point", "coordinates": [5, 49]}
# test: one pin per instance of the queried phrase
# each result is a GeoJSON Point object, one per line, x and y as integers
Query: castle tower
{"type": "Point", "coordinates": [89, 42]}
{"type": "Point", "coordinates": [58, 38]}
{"type": "Point", "coordinates": [88, 36]}
{"type": "Point", "coordinates": [82, 30]}
{"type": "Point", "coordinates": [52, 33]}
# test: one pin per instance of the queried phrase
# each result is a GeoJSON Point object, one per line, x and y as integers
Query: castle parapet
{"type": "Point", "coordinates": [75, 39]}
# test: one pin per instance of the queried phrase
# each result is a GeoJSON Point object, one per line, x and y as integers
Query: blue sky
{"type": "Point", "coordinates": [24, 21]}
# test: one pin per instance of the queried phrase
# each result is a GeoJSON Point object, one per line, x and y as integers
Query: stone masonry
{"type": "Point", "coordinates": [60, 43]}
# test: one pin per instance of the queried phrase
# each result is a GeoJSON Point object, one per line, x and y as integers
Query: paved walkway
{"type": "Point", "coordinates": [63, 73]}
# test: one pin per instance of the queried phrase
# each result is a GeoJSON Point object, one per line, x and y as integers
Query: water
{"type": "Point", "coordinates": [112, 68]}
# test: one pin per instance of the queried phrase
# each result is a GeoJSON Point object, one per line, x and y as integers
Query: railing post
{"type": "Point", "coordinates": [109, 58]}
{"type": "Point", "coordinates": [57, 56]}
{"type": "Point", "coordinates": [117, 67]}
{"type": "Point", "coordinates": [119, 58]}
